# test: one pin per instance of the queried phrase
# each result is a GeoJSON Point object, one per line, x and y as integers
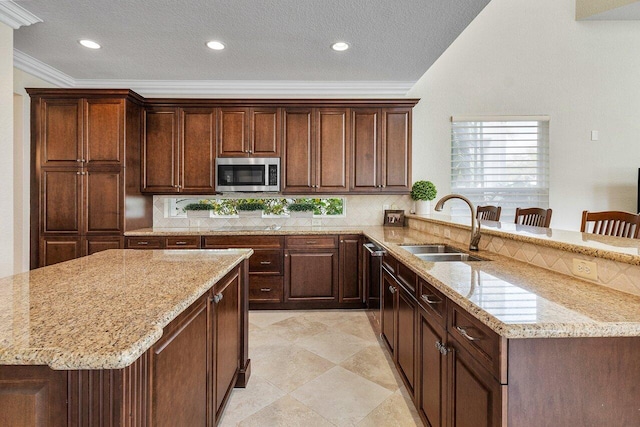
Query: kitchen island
{"type": "Point", "coordinates": [124, 337]}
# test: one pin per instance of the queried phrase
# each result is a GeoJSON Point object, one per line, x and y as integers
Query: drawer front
{"type": "Point", "coordinates": [312, 242]}
{"type": "Point", "coordinates": [265, 288]}
{"type": "Point", "coordinates": [254, 242]}
{"type": "Point", "coordinates": [266, 261]}
{"type": "Point", "coordinates": [182, 242]}
{"type": "Point", "coordinates": [433, 301]}
{"type": "Point", "coordinates": [407, 277]}
{"type": "Point", "coordinates": [485, 345]}
{"type": "Point", "coordinates": [390, 262]}
{"type": "Point", "coordinates": [144, 243]}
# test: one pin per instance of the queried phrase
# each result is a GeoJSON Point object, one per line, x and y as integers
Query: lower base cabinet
{"type": "Point", "coordinates": [431, 392]}
{"type": "Point", "coordinates": [55, 249]}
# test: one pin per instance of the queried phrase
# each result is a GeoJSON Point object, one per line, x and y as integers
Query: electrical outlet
{"type": "Point", "coordinates": [585, 269]}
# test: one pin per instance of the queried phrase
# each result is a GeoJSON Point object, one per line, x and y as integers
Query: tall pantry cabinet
{"type": "Point", "coordinates": [85, 176]}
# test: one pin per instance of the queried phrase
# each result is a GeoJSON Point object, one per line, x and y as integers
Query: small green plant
{"type": "Point", "coordinates": [198, 207]}
{"type": "Point", "coordinates": [423, 190]}
{"type": "Point", "coordinates": [301, 207]}
{"type": "Point", "coordinates": [250, 206]}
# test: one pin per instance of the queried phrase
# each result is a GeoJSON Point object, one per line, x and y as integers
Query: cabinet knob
{"type": "Point", "coordinates": [217, 298]}
{"type": "Point", "coordinates": [392, 289]}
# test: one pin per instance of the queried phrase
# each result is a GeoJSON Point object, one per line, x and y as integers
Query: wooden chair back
{"type": "Point", "coordinates": [489, 213]}
{"type": "Point", "coordinates": [611, 223]}
{"type": "Point", "coordinates": [536, 217]}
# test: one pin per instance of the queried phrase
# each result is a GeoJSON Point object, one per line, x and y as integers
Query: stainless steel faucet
{"type": "Point", "coordinates": [475, 224]}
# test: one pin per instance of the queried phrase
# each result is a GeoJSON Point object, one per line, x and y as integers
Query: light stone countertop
{"type": "Point", "coordinates": [515, 299]}
{"type": "Point", "coordinates": [105, 310]}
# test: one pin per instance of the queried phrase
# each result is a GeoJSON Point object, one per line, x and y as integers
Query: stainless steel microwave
{"type": "Point", "coordinates": [248, 174]}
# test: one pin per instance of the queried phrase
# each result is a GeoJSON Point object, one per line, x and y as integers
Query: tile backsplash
{"type": "Point", "coordinates": [360, 210]}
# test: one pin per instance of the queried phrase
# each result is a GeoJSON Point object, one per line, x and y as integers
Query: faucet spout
{"type": "Point", "coordinates": [475, 224]}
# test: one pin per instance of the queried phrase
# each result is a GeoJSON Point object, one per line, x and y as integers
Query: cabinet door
{"type": "Point", "coordinates": [388, 308]}
{"type": "Point", "coordinates": [104, 132]}
{"type": "Point", "coordinates": [95, 244]}
{"type": "Point", "coordinates": [60, 132]}
{"type": "Point", "coordinates": [396, 137]}
{"type": "Point", "coordinates": [179, 367]}
{"type": "Point", "coordinates": [197, 168]}
{"type": "Point", "coordinates": [351, 289]}
{"type": "Point", "coordinates": [227, 338]}
{"type": "Point", "coordinates": [406, 350]}
{"type": "Point", "coordinates": [332, 152]}
{"type": "Point", "coordinates": [104, 201]}
{"type": "Point", "coordinates": [365, 174]}
{"type": "Point", "coordinates": [61, 200]}
{"type": "Point", "coordinates": [55, 249]}
{"type": "Point", "coordinates": [160, 151]}
{"type": "Point", "coordinates": [266, 125]}
{"type": "Point", "coordinates": [432, 369]}
{"type": "Point", "coordinates": [476, 396]}
{"type": "Point", "coordinates": [298, 166]}
{"type": "Point", "coordinates": [233, 138]}
{"type": "Point", "coordinates": [311, 276]}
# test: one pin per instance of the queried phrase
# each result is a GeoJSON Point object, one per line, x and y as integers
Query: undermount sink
{"type": "Point", "coordinates": [442, 257]}
{"type": "Point", "coordinates": [430, 249]}
{"type": "Point", "coordinates": [235, 228]}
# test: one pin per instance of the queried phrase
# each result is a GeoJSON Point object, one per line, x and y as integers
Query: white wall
{"type": "Point", "coordinates": [531, 57]}
{"type": "Point", "coordinates": [6, 148]}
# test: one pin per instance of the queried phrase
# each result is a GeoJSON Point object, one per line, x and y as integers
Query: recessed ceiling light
{"type": "Point", "coordinates": [340, 46]}
{"type": "Point", "coordinates": [90, 44]}
{"type": "Point", "coordinates": [215, 45]}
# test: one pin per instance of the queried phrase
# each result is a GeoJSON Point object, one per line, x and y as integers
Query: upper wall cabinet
{"type": "Point", "coordinates": [249, 132]}
{"type": "Point", "coordinates": [82, 131]}
{"type": "Point", "coordinates": [381, 150]}
{"type": "Point", "coordinates": [178, 153]}
{"type": "Point", "coordinates": [317, 148]}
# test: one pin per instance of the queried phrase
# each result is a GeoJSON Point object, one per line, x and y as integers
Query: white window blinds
{"type": "Point", "coordinates": [501, 161]}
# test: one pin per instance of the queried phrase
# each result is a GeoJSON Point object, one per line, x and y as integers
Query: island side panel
{"type": "Point", "coordinates": [574, 381]}
{"type": "Point", "coordinates": [245, 363]}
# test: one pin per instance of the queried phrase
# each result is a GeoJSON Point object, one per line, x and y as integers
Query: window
{"type": "Point", "coordinates": [501, 161]}
{"type": "Point", "coordinates": [274, 206]}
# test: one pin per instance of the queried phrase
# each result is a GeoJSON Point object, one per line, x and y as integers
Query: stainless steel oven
{"type": "Point", "coordinates": [253, 174]}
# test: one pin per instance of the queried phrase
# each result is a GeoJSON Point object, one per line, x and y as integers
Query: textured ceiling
{"type": "Point", "coordinates": [391, 40]}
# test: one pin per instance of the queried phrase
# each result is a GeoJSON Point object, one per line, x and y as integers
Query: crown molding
{"type": "Point", "coordinates": [39, 69]}
{"type": "Point", "coordinates": [218, 88]}
{"type": "Point", "coordinates": [255, 88]}
{"type": "Point", "coordinates": [16, 16]}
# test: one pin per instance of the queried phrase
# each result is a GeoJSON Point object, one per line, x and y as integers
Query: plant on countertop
{"type": "Point", "coordinates": [250, 206]}
{"type": "Point", "coordinates": [301, 207]}
{"type": "Point", "coordinates": [423, 190]}
{"type": "Point", "coordinates": [198, 207]}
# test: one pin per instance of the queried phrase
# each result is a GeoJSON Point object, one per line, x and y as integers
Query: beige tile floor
{"type": "Point", "coordinates": [318, 368]}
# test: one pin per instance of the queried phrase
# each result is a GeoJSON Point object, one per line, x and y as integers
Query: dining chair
{"type": "Point", "coordinates": [536, 217]}
{"type": "Point", "coordinates": [489, 213]}
{"type": "Point", "coordinates": [611, 223]}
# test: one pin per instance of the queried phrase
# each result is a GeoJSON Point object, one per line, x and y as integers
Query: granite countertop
{"type": "Point", "coordinates": [105, 310]}
{"type": "Point", "coordinates": [513, 298]}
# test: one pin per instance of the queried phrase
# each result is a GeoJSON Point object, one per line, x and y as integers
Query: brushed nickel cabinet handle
{"type": "Point", "coordinates": [465, 334]}
{"type": "Point", "coordinates": [265, 262]}
{"type": "Point", "coordinates": [428, 300]}
{"type": "Point", "coordinates": [265, 289]}
{"type": "Point", "coordinates": [311, 242]}
{"type": "Point", "coordinates": [181, 243]}
{"type": "Point", "coordinates": [143, 243]}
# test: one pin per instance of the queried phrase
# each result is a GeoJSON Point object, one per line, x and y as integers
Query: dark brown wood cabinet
{"type": "Point", "coordinates": [85, 158]}
{"type": "Point", "coordinates": [249, 132]}
{"type": "Point", "coordinates": [311, 270]}
{"type": "Point", "coordinates": [407, 313]}
{"type": "Point", "coordinates": [431, 388]}
{"type": "Point", "coordinates": [178, 153]}
{"type": "Point", "coordinates": [389, 309]}
{"type": "Point", "coordinates": [351, 287]}
{"type": "Point", "coordinates": [381, 150]}
{"type": "Point", "coordinates": [317, 150]}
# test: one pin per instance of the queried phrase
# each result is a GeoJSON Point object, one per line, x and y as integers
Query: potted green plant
{"type": "Point", "coordinates": [301, 210]}
{"type": "Point", "coordinates": [198, 210]}
{"type": "Point", "coordinates": [253, 209]}
{"type": "Point", "coordinates": [423, 192]}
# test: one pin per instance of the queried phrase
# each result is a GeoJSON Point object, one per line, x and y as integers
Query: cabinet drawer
{"type": "Point", "coordinates": [312, 242]}
{"type": "Point", "coordinates": [390, 262]}
{"type": "Point", "coordinates": [144, 243]}
{"type": "Point", "coordinates": [254, 242]}
{"type": "Point", "coordinates": [265, 288]}
{"type": "Point", "coordinates": [433, 301]}
{"type": "Point", "coordinates": [484, 344]}
{"type": "Point", "coordinates": [407, 277]}
{"type": "Point", "coordinates": [266, 261]}
{"type": "Point", "coordinates": [182, 242]}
